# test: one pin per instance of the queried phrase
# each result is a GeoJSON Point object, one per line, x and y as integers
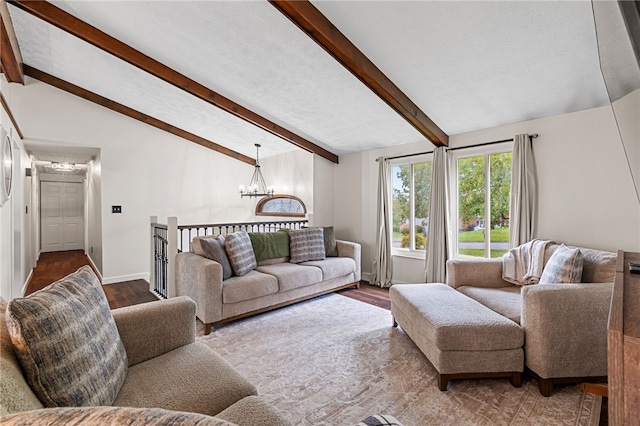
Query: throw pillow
{"type": "Point", "coordinates": [94, 416]}
{"type": "Point", "coordinates": [330, 245]}
{"type": "Point", "coordinates": [270, 245]}
{"type": "Point", "coordinates": [214, 249]}
{"type": "Point", "coordinates": [380, 420]}
{"type": "Point", "coordinates": [564, 266]}
{"type": "Point", "coordinates": [240, 251]}
{"type": "Point", "coordinates": [307, 244]}
{"type": "Point", "coordinates": [67, 342]}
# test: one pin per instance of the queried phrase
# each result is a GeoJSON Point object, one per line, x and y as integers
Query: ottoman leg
{"type": "Point", "coordinates": [443, 381]}
{"type": "Point", "coordinates": [516, 379]}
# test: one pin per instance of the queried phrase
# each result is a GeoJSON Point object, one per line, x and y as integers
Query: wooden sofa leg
{"type": "Point", "coordinates": [516, 379]}
{"type": "Point", "coordinates": [443, 381]}
{"type": "Point", "coordinates": [545, 386]}
{"type": "Point", "coordinates": [395, 323]}
{"type": "Point", "coordinates": [207, 329]}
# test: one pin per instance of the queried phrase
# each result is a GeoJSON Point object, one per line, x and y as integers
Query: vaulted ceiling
{"type": "Point", "coordinates": [463, 65]}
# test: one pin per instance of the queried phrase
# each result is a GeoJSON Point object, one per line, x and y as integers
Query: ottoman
{"type": "Point", "coordinates": [460, 337]}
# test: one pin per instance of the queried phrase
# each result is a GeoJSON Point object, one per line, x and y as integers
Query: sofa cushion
{"type": "Point", "coordinates": [213, 248]}
{"type": "Point", "coordinates": [249, 286]}
{"type": "Point", "coordinates": [292, 276]}
{"type": "Point", "coordinates": [270, 245]}
{"type": "Point", "coordinates": [15, 393]}
{"type": "Point", "coordinates": [598, 266]}
{"type": "Point", "coordinates": [190, 378]}
{"type": "Point", "coordinates": [564, 266]}
{"type": "Point", "coordinates": [506, 301]}
{"type": "Point", "coordinates": [307, 244]}
{"type": "Point", "coordinates": [240, 251]}
{"type": "Point", "coordinates": [67, 342]}
{"type": "Point", "coordinates": [99, 416]}
{"type": "Point", "coordinates": [330, 245]}
{"type": "Point", "coordinates": [333, 267]}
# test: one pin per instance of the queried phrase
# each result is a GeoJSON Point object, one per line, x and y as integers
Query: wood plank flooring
{"type": "Point", "coordinates": [53, 266]}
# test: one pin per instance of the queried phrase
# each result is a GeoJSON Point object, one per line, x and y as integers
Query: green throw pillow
{"type": "Point", "coordinates": [270, 245]}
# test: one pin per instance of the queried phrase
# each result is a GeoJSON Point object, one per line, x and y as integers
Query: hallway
{"type": "Point", "coordinates": [53, 266]}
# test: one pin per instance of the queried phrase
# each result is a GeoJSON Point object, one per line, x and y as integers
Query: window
{"type": "Point", "coordinates": [481, 196]}
{"type": "Point", "coordinates": [411, 194]}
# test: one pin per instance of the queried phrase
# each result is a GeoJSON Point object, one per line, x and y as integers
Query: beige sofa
{"type": "Point", "coordinates": [273, 284]}
{"type": "Point", "coordinates": [565, 324]}
{"type": "Point", "coordinates": [167, 369]}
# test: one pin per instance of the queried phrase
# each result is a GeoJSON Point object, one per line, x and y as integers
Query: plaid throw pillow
{"type": "Point", "coordinates": [67, 342]}
{"type": "Point", "coordinates": [240, 252]}
{"type": "Point", "coordinates": [564, 266]}
{"type": "Point", "coordinates": [307, 244]}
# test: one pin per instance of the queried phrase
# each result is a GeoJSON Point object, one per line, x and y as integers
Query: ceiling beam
{"type": "Point", "coordinates": [10, 57]}
{"type": "Point", "coordinates": [5, 105]}
{"type": "Point", "coordinates": [319, 28]}
{"type": "Point", "coordinates": [69, 23]}
{"type": "Point", "coordinates": [129, 112]}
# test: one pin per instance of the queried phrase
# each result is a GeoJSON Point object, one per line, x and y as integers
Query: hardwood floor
{"type": "Point", "coordinates": [53, 266]}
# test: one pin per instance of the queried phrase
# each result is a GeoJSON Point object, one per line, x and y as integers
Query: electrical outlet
{"type": "Point", "coordinates": [116, 209]}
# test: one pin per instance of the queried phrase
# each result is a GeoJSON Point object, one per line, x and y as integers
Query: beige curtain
{"type": "Point", "coordinates": [523, 213]}
{"type": "Point", "coordinates": [382, 267]}
{"type": "Point", "coordinates": [438, 231]}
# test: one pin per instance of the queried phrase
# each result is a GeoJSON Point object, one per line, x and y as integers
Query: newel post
{"type": "Point", "coordinates": [172, 242]}
{"type": "Point", "coordinates": [152, 260]}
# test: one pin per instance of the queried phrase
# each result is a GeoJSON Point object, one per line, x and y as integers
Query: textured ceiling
{"type": "Point", "coordinates": [468, 65]}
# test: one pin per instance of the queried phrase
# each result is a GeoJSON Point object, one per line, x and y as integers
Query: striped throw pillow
{"type": "Point", "coordinates": [240, 252]}
{"type": "Point", "coordinates": [564, 266]}
{"type": "Point", "coordinates": [67, 342]}
{"type": "Point", "coordinates": [307, 244]}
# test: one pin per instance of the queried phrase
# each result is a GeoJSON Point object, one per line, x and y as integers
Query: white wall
{"type": "Point", "coordinates": [586, 195]}
{"type": "Point", "coordinates": [627, 113]}
{"type": "Point", "coordinates": [323, 190]}
{"type": "Point", "coordinates": [93, 248]}
{"type": "Point", "coordinates": [148, 172]}
{"type": "Point", "coordinates": [13, 256]}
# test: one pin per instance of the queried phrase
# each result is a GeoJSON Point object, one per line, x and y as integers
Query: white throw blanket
{"type": "Point", "coordinates": [523, 265]}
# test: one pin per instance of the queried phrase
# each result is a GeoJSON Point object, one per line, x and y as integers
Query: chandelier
{"type": "Point", "coordinates": [257, 187]}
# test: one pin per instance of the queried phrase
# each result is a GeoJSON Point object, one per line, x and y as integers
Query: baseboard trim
{"type": "Point", "coordinates": [26, 283]}
{"type": "Point", "coordinates": [122, 278]}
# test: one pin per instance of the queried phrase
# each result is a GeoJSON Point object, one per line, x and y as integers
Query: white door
{"type": "Point", "coordinates": [62, 216]}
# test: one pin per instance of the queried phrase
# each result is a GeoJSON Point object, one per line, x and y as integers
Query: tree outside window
{"type": "Point", "coordinates": [411, 196]}
{"type": "Point", "coordinates": [476, 204]}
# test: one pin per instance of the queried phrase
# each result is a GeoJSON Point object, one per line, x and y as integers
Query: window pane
{"type": "Point", "coordinates": [422, 194]}
{"type": "Point", "coordinates": [500, 181]}
{"type": "Point", "coordinates": [471, 206]}
{"type": "Point", "coordinates": [400, 206]}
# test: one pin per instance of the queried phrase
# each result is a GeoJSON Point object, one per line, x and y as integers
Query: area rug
{"type": "Point", "coordinates": [334, 361]}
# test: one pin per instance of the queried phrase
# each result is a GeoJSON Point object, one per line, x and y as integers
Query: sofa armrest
{"type": "Point", "coordinates": [475, 273]}
{"type": "Point", "coordinates": [200, 278]}
{"type": "Point", "coordinates": [151, 329]}
{"type": "Point", "coordinates": [565, 329]}
{"type": "Point", "coordinates": [352, 250]}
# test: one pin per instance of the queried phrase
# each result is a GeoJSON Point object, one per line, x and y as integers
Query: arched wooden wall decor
{"type": "Point", "coordinates": [281, 205]}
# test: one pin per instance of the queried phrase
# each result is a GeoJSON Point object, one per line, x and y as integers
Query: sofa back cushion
{"type": "Point", "coordinates": [213, 248]}
{"type": "Point", "coordinates": [597, 266]}
{"type": "Point", "coordinates": [67, 342]}
{"type": "Point", "coordinates": [240, 252]}
{"type": "Point", "coordinates": [15, 393]}
{"type": "Point", "coordinates": [270, 245]}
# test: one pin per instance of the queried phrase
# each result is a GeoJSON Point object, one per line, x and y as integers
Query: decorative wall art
{"type": "Point", "coordinates": [281, 205]}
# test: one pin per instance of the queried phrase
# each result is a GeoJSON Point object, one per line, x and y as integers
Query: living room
{"type": "Point", "coordinates": [586, 191]}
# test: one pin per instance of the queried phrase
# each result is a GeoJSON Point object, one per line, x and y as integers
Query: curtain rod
{"type": "Point", "coordinates": [533, 136]}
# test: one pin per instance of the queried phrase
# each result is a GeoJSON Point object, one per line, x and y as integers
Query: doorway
{"type": "Point", "coordinates": [61, 216]}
